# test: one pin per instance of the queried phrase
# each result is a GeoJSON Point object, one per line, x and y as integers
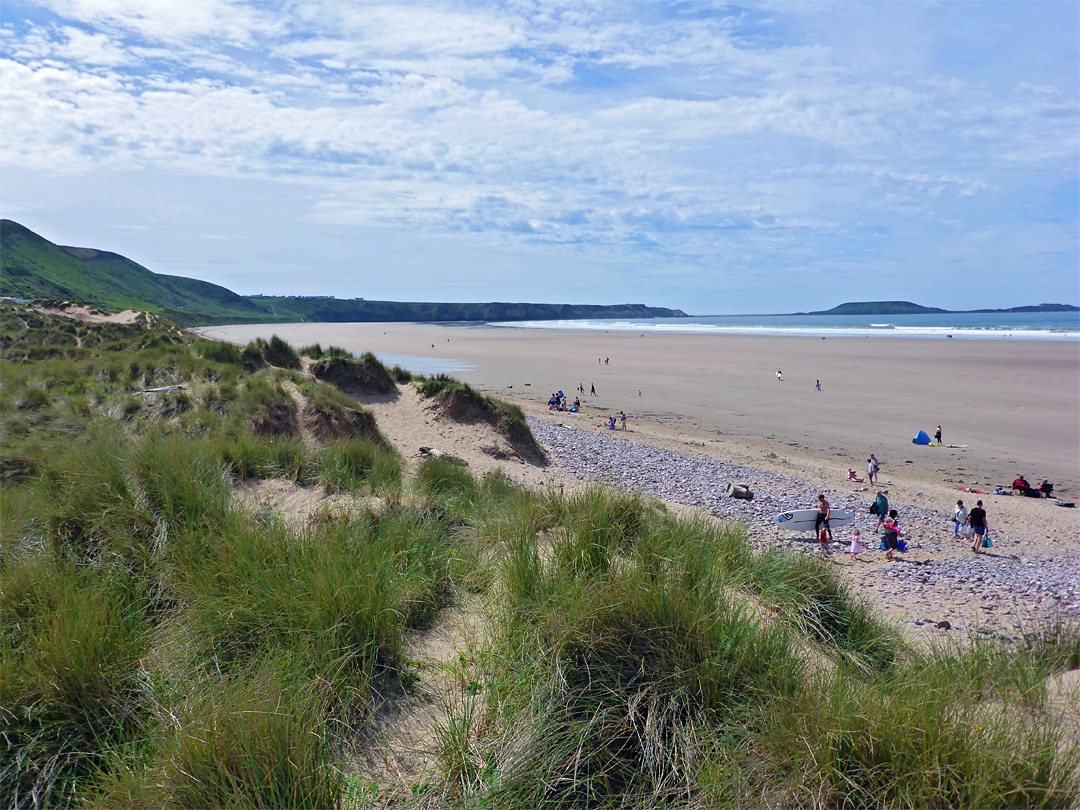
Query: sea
{"type": "Point", "coordinates": [1058, 326]}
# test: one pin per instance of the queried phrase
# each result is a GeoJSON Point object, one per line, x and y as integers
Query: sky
{"type": "Point", "coordinates": [709, 156]}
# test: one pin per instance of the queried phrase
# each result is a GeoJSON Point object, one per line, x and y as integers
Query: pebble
{"type": "Point", "coordinates": [1014, 594]}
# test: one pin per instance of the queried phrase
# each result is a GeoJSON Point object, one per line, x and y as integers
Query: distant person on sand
{"type": "Point", "coordinates": [593, 387]}
{"type": "Point", "coordinates": [959, 518]}
{"type": "Point", "coordinates": [979, 524]}
{"type": "Point", "coordinates": [817, 384]}
{"type": "Point", "coordinates": [622, 416]}
{"type": "Point", "coordinates": [937, 435]}
{"type": "Point", "coordinates": [605, 361]}
{"type": "Point", "coordinates": [779, 375]}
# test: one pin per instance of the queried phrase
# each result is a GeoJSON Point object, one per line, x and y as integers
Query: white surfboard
{"type": "Point", "coordinates": [802, 520]}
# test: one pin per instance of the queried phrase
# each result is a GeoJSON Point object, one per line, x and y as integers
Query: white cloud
{"type": "Point", "coordinates": [170, 20]}
{"type": "Point", "coordinates": [91, 49]}
{"type": "Point", "coordinates": [632, 131]}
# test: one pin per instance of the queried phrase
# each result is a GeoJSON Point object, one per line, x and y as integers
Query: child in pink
{"type": "Point", "coordinates": [856, 546]}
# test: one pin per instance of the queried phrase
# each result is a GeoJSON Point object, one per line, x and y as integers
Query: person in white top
{"type": "Point", "coordinates": [959, 517]}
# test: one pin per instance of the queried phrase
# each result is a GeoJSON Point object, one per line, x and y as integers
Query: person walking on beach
{"type": "Point", "coordinates": [937, 435]}
{"type": "Point", "coordinates": [979, 524]}
{"type": "Point", "coordinates": [882, 510]}
{"type": "Point", "coordinates": [817, 384]}
{"type": "Point", "coordinates": [593, 387]}
{"type": "Point", "coordinates": [622, 416]}
{"type": "Point", "coordinates": [959, 518]}
{"type": "Point", "coordinates": [872, 469]}
{"type": "Point", "coordinates": [822, 518]}
{"type": "Point", "coordinates": [779, 375]}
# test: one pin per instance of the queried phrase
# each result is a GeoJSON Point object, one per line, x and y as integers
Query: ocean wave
{"type": "Point", "coordinates": [877, 331]}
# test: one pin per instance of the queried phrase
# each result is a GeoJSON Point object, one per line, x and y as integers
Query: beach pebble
{"type": "Point", "coordinates": [1030, 589]}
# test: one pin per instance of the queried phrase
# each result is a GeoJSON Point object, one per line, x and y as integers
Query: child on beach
{"type": "Point", "coordinates": [823, 540]}
{"type": "Point", "coordinates": [856, 545]}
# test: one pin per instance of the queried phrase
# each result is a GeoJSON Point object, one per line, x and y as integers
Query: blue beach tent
{"type": "Point", "coordinates": [921, 438]}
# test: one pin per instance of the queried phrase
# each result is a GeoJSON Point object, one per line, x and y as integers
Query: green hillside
{"type": "Point", "coordinates": [34, 267]}
{"type": "Point", "coordinates": [332, 310]}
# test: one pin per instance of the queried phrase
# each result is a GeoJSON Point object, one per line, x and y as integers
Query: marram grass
{"type": "Point", "coordinates": [161, 648]}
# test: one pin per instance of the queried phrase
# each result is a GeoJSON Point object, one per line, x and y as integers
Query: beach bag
{"type": "Point", "coordinates": [873, 508]}
{"type": "Point", "coordinates": [884, 546]}
{"type": "Point", "coordinates": [987, 542]}
{"type": "Point", "coordinates": [901, 545]}
{"type": "Point", "coordinates": [967, 531]}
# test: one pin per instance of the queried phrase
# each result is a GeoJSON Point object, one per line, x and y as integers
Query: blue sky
{"type": "Point", "coordinates": [715, 157]}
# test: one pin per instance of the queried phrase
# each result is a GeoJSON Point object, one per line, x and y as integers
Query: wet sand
{"type": "Point", "coordinates": [1015, 404]}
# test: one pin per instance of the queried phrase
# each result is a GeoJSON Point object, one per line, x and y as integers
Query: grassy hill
{"type": "Point", "coordinates": [33, 267]}
{"type": "Point", "coordinates": [332, 310]}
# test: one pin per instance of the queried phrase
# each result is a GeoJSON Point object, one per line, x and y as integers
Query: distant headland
{"type": "Point", "coordinates": [908, 308]}
{"type": "Point", "coordinates": [32, 267]}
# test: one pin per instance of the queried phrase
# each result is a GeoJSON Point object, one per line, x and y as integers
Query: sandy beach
{"type": "Point", "coordinates": [1015, 404]}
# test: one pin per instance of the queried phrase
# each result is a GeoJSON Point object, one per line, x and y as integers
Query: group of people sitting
{"type": "Point", "coordinates": [558, 402]}
{"type": "Point", "coordinates": [1021, 487]}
